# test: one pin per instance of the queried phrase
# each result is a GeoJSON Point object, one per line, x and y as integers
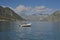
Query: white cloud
{"type": "Point", "coordinates": [37, 9]}
{"type": "Point", "coordinates": [21, 8]}
{"type": "Point", "coordinates": [41, 9]}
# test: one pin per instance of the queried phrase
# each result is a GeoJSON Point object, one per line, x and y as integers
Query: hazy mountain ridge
{"type": "Point", "coordinates": [54, 17]}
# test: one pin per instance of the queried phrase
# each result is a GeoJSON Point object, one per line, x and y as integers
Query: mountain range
{"type": "Point", "coordinates": [53, 17]}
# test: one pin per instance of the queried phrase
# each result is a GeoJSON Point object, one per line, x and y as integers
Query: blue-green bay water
{"type": "Point", "coordinates": [38, 31]}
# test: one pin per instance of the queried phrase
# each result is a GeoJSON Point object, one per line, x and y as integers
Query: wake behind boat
{"type": "Point", "coordinates": [26, 25]}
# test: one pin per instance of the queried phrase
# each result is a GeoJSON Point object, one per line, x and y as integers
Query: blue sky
{"type": "Point", "coordinates": [32, 6]}
{"type": "Point", "coordinates": [55, 4]}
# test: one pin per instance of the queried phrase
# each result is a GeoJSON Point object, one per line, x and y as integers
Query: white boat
{"type": "Point", "coordinates": [26, 25]}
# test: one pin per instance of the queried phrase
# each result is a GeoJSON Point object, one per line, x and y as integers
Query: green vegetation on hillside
{"type": "Point", "coordinates": [8, 14]}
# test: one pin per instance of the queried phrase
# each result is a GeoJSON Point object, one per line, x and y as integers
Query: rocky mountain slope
{"type": "Point", "coordinates": [7, 13]}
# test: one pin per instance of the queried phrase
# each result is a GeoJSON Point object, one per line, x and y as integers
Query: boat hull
{"type": "Point", "coordinates": [26, 25]}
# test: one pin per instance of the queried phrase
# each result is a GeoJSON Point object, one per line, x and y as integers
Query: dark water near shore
{"type": "Point", "coordinates": [38, 31]}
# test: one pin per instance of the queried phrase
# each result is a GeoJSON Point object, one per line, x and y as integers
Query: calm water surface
{"type": "Point", "coordinates": [38, 31]}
